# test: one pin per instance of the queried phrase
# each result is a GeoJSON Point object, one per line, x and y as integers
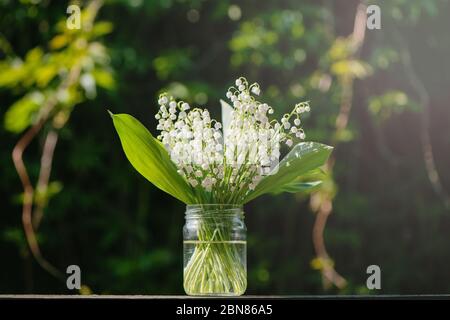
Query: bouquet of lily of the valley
{"type": "Point", "coordinates": [221, 165]}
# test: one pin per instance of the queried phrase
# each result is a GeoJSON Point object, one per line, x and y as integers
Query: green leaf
{"type": "Point", "coordinates": [102, 28]}
{"type": "Point", "coordinates": [21, 114]}
{"type": "Point", "coordinates": [104, 78]}
{"type": "Point", "coordinates": [149, 158]}
{"type": "Point", "coordinates": [303, 158]}
{"type": "Point", "coordinates": [298, 186]}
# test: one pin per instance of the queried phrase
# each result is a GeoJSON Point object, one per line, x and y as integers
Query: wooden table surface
{"type": "Point", "coordinates": [151, 297]}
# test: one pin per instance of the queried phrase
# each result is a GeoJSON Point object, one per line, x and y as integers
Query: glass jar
{"type": "Point", "coordinates": [215, 250]}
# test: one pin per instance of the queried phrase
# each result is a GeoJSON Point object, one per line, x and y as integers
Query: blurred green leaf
{"type": "Point", "coordinates": [104, 78]}
{"type": "Point", "coordinates": [390, 103]}
{"type": "Point", "coordinates": [42, 197]}
{"type": "Point", "coordinates": [102, 28]}
{"type": "Point", "coordinates": [353, 68]}
{"type": "Point", "coordinates": [172, 63]}
{"type": "Point", "coordinates": [21, 114]}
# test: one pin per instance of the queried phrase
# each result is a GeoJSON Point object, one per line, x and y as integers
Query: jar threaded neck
{"type": "Point", "coordinates": [214, 210]}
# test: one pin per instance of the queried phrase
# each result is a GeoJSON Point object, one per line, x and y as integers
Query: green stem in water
{"type": "Point", "coordinates": [215, 266]}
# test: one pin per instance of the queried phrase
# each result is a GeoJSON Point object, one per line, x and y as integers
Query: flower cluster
{"type": "Point", "coordinates": [227, 162]}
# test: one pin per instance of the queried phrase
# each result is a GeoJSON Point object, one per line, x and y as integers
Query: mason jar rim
{"type": "Point", "coordinates": [195, 210]}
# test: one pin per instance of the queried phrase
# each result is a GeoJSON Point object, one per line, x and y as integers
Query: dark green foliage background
{"type": "Point", "coordinates": [126, 235]}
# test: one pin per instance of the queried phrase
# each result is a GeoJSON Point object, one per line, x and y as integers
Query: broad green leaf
{"type": "Point", "coordinates": [303, 158]}
{"type": "Point", "coordinates": [149, 158]}
{"type": "Point", "coordinates": [298, 186]}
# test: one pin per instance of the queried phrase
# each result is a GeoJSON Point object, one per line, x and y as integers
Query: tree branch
{"type": "Point", "coordinates": [28, 194]}
{"type": "Point", "coordinates": [44, 175]}
{"type": "Point", "coordinates": [425, 139]}
{"type": "Point", "coordinates": [17, 156]}
{"type": "Point", "coordinates": [47, 156]}
{"type": "Point", "coordinates": [322, 202]}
